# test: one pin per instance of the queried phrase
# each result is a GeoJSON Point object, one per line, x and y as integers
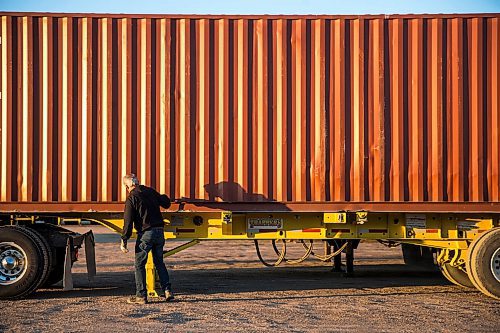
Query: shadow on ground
{"type": "Point", "coordinates": [248, 280]}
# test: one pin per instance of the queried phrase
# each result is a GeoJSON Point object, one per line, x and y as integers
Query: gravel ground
{"type": "Point", "coordinates": [221, 286]}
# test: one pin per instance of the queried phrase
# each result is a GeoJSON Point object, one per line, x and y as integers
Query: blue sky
{"type": "Point", "coordinates": [254, 6]}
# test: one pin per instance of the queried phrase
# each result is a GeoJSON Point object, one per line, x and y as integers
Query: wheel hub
{"type": "Point", "coordinates": [9, 263]}
{"type": "Point", "coordinates": [12, 263]}
{"type": "Point", "coordinates": [495, 264]}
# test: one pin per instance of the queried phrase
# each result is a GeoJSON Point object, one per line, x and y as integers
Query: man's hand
{"type": "Point", "coordinates": [181, 201]}
{"type": "Point", "coordinates": [123, 246]}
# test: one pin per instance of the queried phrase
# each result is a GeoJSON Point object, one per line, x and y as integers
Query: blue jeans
{"type": "Point", "coordinates": [151, 240]}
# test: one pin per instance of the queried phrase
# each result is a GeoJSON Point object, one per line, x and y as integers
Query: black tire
{"type": "Point", "coordinates": [456, 276]}
{"type": "Point", "coordinates": [34, 258]}
{"type": "Point", "coordinates": [45, 250]}
{"type": "Point", "coordinates": [468, 263]}
{"type": "Point", "coordinates": [57, 272]}
{"type": "Point", "coordinates": [418, 256]}
{"type": "Point", "coordinates": [481, 257]}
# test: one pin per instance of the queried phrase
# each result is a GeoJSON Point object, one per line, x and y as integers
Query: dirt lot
{"type": "Point", "coordinates": [221, 286]}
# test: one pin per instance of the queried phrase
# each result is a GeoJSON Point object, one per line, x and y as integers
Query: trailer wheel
{"type": "Point", "coordinates": [23, 262]}
{"type": "Point", "coordinates": [468, 262]}
{"type": "Point", "coordinates": [48, 252]}
{"type": "Point", "coordinates": [456, 276]}
{"type": "Point", "coordinates": [484, 262]}
{"type": "Point", "coordinates": [57, 272]}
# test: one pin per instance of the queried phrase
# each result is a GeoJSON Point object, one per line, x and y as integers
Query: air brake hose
{"type": "Point", "coordinates": [301, 259]}
{"type": "Point", "coordinates": [330, 256]}
{"type": "Point", "coordinates": [280, 258]}
{"type": "Point", "coordinates": [282, 254]}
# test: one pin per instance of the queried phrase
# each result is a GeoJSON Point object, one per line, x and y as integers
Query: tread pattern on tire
{"type": "Point", "coordinates": [474, 257]}
{"type": "Point", "coordinates": [468, 262]}
{"type": "Point", "coordinates": [451, 273]}
{"type": "Point", "coordinates": [57, 273]}
{"type": "Point", "coordinates": [56, 270]}
{"type": "Point", "coordinates": [27, 283]}
{"type": "Point", "coordinates": [46, 252]}
{"type": "Point", "coordinates": [43, 257]}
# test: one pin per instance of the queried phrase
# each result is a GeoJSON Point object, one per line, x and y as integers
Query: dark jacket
{"type": "Point", "coordinates": [142, 210]}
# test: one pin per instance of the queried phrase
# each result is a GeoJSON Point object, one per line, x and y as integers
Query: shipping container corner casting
{"type": "Point", "coordinates": [309, 128]}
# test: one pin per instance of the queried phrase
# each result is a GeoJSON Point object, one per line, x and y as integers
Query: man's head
{"type": "Point", "coordinates": [130, 181]}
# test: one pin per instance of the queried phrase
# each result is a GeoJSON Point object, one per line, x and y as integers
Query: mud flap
{"type": "Point", "coordinates": [90, 255]}
{"type": "Point", "coordinates": [68, 276]}
{"type": "Point", "coordinates": [78, 241]}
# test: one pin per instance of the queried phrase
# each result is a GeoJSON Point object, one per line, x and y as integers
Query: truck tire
{"type": "Point", "coordinates": [57, 272]}
{"type": "Point", "coordinates": [55, 234]}
{"type": "Point", "coordinates": [418, 256]}
{"type": "Point", "coordinates": [468, 266]}
{"type": "Point", "coordinates": [51, 255]}
{"type": "Point", "coordinates": [23, 262]}
{"type": "Point", "coordinates": [456, 276]}
{"type": "Point", "coordinates": [45, 249]}
{"type": "Point", "coordinates": [483, 262]}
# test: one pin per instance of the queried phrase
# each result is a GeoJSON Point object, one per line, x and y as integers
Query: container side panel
{"type": "Point", "coordinates": [242, 109]}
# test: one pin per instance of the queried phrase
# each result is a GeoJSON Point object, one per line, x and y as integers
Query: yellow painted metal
{"type": "Point", "coordinates": [441, 257]}
{"type": "Point", "coordinates": [151, 272]}
{"type": "Point", "coordinates": [151, 277]}
{"type": "Point", "coordinates": [453, 257]}
{"type": "Point", "coordinates": [180, 248]}
{"type": "Point", "coordinates": [438, 244]}
{"type": "Point", "coordinates": [115, 225]}
{"type": "Point", "coordinates": [361, 217]}
{"type": "Point", "coordinates": [452, 231]}
{"type": "Point", "coordinates": [335, 217]}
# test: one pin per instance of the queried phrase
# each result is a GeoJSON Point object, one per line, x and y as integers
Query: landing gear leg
{"type": "Point", "coordinates": [151, 277]}
{"type": "Point", "coordinates": [337, 260]}
{"type": "Point", "coordinates": [349, 258]}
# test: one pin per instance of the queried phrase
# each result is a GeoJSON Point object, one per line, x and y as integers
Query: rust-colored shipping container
{"type": "Point", "coordinates": [329, 129]}
{"type": "Point", "coordinates": [312, 112]}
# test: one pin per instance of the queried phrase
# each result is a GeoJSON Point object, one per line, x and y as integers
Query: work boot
{"type": "Point", "coordinates": [137, 300]}
{"type": "Point", "coordinates": [169, 296]}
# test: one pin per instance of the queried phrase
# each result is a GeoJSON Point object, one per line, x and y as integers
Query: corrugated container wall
{"type": "Point", "coordinates": [397, 108]}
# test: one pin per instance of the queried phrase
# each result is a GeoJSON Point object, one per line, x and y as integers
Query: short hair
{"type": "Point", "coordinates": [130, 180]}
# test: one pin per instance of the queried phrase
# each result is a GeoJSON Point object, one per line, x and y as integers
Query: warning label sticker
{"type": "Point", "coordinates": [177, 221]}
{"type": "Point", "coordinates": [416, 221]}
{"type": "Point", "coordinates": [466, 225]}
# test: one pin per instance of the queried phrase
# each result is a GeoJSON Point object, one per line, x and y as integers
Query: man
{"type": "Point", "coordinates": [142, 211]}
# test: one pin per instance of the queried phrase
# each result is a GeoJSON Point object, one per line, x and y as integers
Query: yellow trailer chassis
{"type": "Point", "coordinates": [451, 235]}
{"type": "Point", "coordinates": [466, 245]}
